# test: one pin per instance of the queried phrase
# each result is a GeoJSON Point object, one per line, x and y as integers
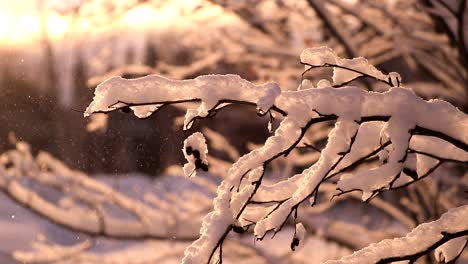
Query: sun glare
{"type": "Point", "coordinates": [139, 16]}
{"type": "Point", "coordinates": [24, 28]}
{"type": "Point", "coordinates": [57, 26]}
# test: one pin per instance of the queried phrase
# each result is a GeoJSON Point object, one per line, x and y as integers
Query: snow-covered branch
{"type": "Point", "coordinates": [452, 227]}
{"type": "Point", "coordinates": [99, 206]}
{"type": "Point", "coordinates": [411, 137]}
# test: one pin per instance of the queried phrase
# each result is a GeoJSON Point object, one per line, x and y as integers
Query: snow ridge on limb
{"type": "Point", "coordinates": [421, 240]}
{"type": "Point", "coordinates": [396, 119]}
{"type": "Point", "coordinates": [345, 70]}
{"type": "Point", "coordinates": [147, 94]}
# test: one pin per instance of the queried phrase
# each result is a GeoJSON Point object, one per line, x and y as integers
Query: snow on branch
{"type": "Point", "coordinates": [195, 151]}
{"type": "Point", "coordinates": [399, 127]}
{"type": "Point", "coordinates": [44, 253]}
{"type": "Point", "coordinates": [150, 93]}
{"type": "Point", "coordinates": [151, 251]}
{"type": "Point", "coordinates": [420, 241]}
{"type": "Point", "coordinates": [97, 204]}
{"type": "Point", "coordinates": [345, 70]}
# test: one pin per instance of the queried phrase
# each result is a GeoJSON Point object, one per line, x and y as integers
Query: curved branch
{"type": "Point", "coordinates": [422, 240]}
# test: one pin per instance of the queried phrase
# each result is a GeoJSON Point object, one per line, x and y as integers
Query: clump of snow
{"type": "Point", "coordinates": [394, 79]}
{"type": "Point", "coordinates": [196, 153]}
{"type": "Point", "coordinates": [451, 250]}
{"type": "Point", "coordinates": [98, 122]}
{"type": "Point", "coordinates": [145, 111]}
{"type": "Point", "coordinates": [324, 56]}
{"type": "Point", "coordinates": [299, 235]}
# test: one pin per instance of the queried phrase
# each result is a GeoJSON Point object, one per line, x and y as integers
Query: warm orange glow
{"type": "Point", "coordinates": [139, 16]}
{"type": "Point", "coordinates": [20, 29]}
{"type": "Point", "coordinates": [14, 29]}
{"type": "Point", "coordinates": [174, 14]}
{"type": "Point", "coordinates": [57, 26]}
{"type": "Point", "coordinates": [20, 23]}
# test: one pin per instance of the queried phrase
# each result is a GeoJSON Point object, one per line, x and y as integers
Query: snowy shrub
{"type": "Point", "coordinates": [411, 137]}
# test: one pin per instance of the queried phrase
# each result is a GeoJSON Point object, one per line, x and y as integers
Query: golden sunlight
{"type": "Point", "coordinates": [139, 16]}
{"type": "Point", "coordinates": [24, 28]}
